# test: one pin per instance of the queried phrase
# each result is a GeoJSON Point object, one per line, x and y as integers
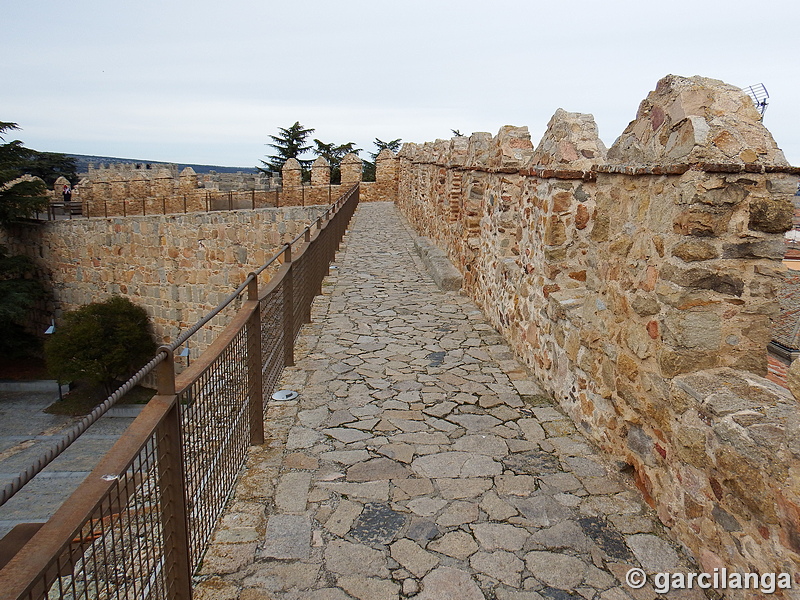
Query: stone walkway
{"type": "Point", "coordinates": [421, 461]}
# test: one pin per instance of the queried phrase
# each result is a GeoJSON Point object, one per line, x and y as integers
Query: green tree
{"type": "Point", "coordinates": [24, 198]}
{"type": "Point", "coordinates": [101, 342]}
{"type": "Point", "coordinates": [19, 293]}
{"type": "Point", "coordinates": [371, 166]}
{"type": "Point", "coordinates": [289, 143]}
{"type": "Point", "coordinates": [50, 166]}
{"type": "Point", "coordinates": [334, 154]}
{"type": "Point", "coordinates": [19, 288]}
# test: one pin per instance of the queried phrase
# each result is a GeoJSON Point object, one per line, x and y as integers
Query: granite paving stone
{"type": "Point", "coordinates": [288, 536]}
{"type": "Point", "coordinates": [421, 460]}
{"type": "Point", "coordinates": [378, 524]}
{"type": "Point", "coordinates": [292, 491]}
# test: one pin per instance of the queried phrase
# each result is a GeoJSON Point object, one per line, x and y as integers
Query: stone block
{"type": "Point", "coordinates": [446, 276]}
{"type": "Point", "coordinates": [694, 250]}
{"type": "Point", "coordinates": [287, 537]}
{"type": "Point", "coordinates": [794, 379]}
{"type": "Point", "coordinates": [771, 215]}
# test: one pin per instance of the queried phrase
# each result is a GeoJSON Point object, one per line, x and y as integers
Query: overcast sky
{"type": "Point", "coordinates": [207, 82]}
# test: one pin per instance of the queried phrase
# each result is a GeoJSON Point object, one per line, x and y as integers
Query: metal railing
{"type": "Point", "coordinates": [138, 526]}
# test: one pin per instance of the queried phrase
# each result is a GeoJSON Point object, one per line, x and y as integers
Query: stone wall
{"type": "Point", "coordinates": [178, 267]}
{"type": "Point", "coordinates": [122, 189]}
{"type": "Point", "coordinates": [638, 284]}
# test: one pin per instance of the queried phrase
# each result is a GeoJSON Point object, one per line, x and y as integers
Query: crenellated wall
{"type": "Point", "coordinates": [133, 189]}
{"type": "Point", "coordinates": [124, 189]}
{"type": "Point", "coordinates": [638, 283]}
{"type": "Point", "coordinates": [320, 190]}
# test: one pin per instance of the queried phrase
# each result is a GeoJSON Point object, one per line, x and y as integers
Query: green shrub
{"type": "Point", "coordinates": [102, 342]}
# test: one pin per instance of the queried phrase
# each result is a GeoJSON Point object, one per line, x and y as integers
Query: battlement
{"type": "Point", "coordinates": [127, 189]}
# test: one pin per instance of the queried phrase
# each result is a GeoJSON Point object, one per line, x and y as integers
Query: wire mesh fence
{"type": "Point", "coordinates": [216, 433]}
{"type": "Point", "coordinates": [138, 526]}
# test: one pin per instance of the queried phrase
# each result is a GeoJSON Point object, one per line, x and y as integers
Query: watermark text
{"type": "Point", "coordinates": [718, 579]}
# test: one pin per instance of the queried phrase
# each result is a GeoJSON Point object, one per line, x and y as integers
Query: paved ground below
{"type": "Point", "coordinates": [421, 461]}
{"type": "Point", "coordinates": [26, 432]}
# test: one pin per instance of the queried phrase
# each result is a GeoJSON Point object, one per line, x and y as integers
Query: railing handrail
{"type": "Point", "coordinates": [10, 489]}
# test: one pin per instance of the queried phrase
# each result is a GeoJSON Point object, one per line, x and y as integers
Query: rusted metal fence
{"type": "Point", "coordinates": [138, 526]}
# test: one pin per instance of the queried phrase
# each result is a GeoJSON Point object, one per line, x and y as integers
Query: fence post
{"type": "Point", "coordinates": [254, 360]}
{"type": "Point", "coordinates": [319, 263]}
{"type": "Point", "coordinates": [288, 309]}
{"type": "Point", "coordinates": [173, 492]}
{"type": "Point", "coordinates": [310, 289]}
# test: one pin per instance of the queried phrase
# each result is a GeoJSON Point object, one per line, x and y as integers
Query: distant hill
{"type": "Point", "coordinates": [83, 161]}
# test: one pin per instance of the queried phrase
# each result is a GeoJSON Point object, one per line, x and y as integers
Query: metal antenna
{"type": "Point", "coordinates": [759, 95]}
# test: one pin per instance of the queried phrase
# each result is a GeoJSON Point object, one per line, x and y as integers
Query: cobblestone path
{"type": "Point", "coordinates": [420, 461]}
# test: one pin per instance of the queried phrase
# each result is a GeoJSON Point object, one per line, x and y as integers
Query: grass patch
{"type": "Point", "coordinates": [83, 397]}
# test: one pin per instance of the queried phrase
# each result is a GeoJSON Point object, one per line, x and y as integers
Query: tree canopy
{"type": "Point", "coordinates": [49, 166]}
{"type": "Point", "coordinates": [101, 342]}
{"type": "Point", "coordinates": [23, 198]}
{"type": "Point", "coordinates": [20, 290]}
{"type": "Point", "coordinates": [289, 143]}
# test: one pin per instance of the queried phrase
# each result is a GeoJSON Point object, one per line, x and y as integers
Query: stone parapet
{"type": "Point", "coordinates": [726, 458]}
{"type": "Point", "coordinates": [125, 190]}
{"type": "Point", "coordinates": [120, 189]}
{"type": "Point", "coordinates": [351, 168]}
{"type": "Point", "coordinates": [177, 267]}
{"type": "Point", "coordinates": [320, 172]}
{"type": "Point", "coordinates": [613, 273]}
{"type": "Point", "coordinates": [292, 177]}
